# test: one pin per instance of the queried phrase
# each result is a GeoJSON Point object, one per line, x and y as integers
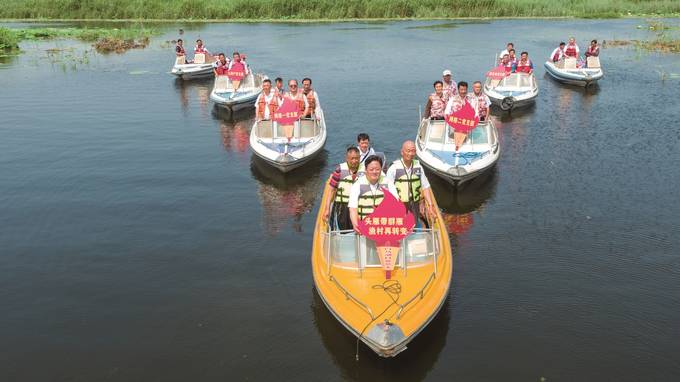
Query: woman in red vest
{"type": "Point", "coordinates": [572, 49]}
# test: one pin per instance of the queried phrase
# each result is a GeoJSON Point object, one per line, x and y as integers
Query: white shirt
{"type": "Point", "coordinates": [356, 189]}
{"type": "Point", "coordinates": [363, 156]}
{"type": "Point", "coordinates": [483, 96]}
{"type": "Point", "coordinates": [456, 103]}
{"type": "Point", "coordinates": [392, 171]}
{"type": "Point", "coordinates": [556, 51]}
{"type": "Point", "coordinates": [218, 63]}
{"type": "Point", "coordinates": [503, 53]}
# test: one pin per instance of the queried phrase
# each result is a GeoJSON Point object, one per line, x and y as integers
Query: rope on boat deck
{"type": "Point", "coordinates": [393, 290]}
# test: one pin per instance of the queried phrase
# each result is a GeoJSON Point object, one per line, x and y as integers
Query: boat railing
{"type": "Point", "coordinates": [350, 296]}
{"type": "Point", "coordinates": [345, 249]}
{"type": "Point", "coordinates": [302, 129]}
{"type": "Point", "coordinates": [420, 294]}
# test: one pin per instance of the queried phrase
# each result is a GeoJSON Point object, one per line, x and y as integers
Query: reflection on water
{"type": "Point", "coordinates": [414, 364]}
{"type": "Point", "coordinates": [287, 196]}
{"type": "Point", "coordinates": [459, 205]}
{"type": "Point", "coordinates": [198, 89]}
{"type": "Point", "coordinates": [236, 134]}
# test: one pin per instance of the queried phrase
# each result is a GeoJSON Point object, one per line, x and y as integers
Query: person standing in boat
{"type": "Point", "coordinates": [364, 147]}
{"type": "Point", "coordinates": [278, 89]}
{"type": "Point", "coordinates": [483, 101]}
{"type": "Point", "coordinates": [238, 58]}
{"type": "Point", "coordinates": [179, 48]}
{"type": "Point", "coordinates": [369, 191]}
{"type": "Point", "coordinates": [505, 51]}
{"type": "Point", "coordinates": [571, 50]}
{"type": "Point", "coordinates": [313, 106]}
{"type": "Point", "coordinates": [506, 63]}
{"type": "Point", "coordinates": [295, 95]}
{"type": "Point", "coordinates": [436, 102]}
{"type": "Point", "coordinates": [449, 85]}
{"type": "Point", "coordinates": [513, 57]}
{"type": "Point", "coordinates": [200, 48]}
{"type": "Point", "coordinates": [524, 65]}
{"type": "Point", "coordinates": [411, 183]}
{"type": "Point", "coordinates": [267, 102]}
{"type": "Point", "coordinates": [558, 53]}
{"type": "Point", "coordinates": [458, 101]}
{"type": "Point", "coordinates": [339, 186]}
{"type": "Point", "coordinates": [220, 66]}
{"type": "Point", "coordinates": [593, 49]}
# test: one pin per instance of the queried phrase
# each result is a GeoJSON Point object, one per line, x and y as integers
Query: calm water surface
{"type": "Point", "coordinates": [141, 240]}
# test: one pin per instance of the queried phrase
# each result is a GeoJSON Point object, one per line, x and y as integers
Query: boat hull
{"type": "Point", "coordinates": [583, 77]}
{"type": "Point", "coordinates": [192, 71]}
{"type": "Point", "coordinates": [235, 104]}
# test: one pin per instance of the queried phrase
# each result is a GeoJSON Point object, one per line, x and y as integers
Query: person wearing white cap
{"type": "Point", "coordinates": [449, 85]}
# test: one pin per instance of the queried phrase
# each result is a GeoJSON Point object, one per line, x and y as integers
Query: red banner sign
{"type": "Point", "coordinates": [237, 71]}
{"type": "Point", "coordinates": [389, 223]}
{"type": "Point", "coordinates": [497, 73]}
{"type": "Point", "coordinates": [287, 113]}
{"type": "Point", "coordinates": [464, 120]}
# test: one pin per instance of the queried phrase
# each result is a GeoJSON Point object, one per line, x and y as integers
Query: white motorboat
{"type": "Point", "coordinates": [513, 91]}
{"type": "Point", "coordinates": [199, 68]}
{"type": "Point", "coordinates": [568, 73]}
{"type": "Point", "coordinates": [437, 152]}
{"type": "Point", "coordinates": [250, 87]}
{"type": "Point", "coordinates": [268, 141]}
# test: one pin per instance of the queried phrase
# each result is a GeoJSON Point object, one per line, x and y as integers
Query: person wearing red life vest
{"type": "Point", "coordinates": [524, 65]}
{"type": "Point", "coordinates": [295, 95]}
{"type": "Point", "coordinates": [179, 48]}
{"type": "Point", "coordinates": [436, 102]}
{"type": "Point", "coordinates": [506, 63]}
{"type": "Point", "coordinates": [238, 58]}
{"type": "Point", "coordinates": [483, 101]}
{"type": "Point", "coordinates": [593, 49]}
{"type": "Point", "coordinates": [220, 66]}
{"type": "Point", "coordinates": [571, 50]}
{"type": "Point", "coordinates": [458, 101]}
{"type": "Point", "coordinates": [558, 53]}
{"type": "Point", "coordinates": [513, 57]}
{"type": "Point", "coordinates": [448, 85]}
{"type": "Point", "coordinates": [200, 48]}
{"type": "Point", "coordinates": [313, 106]}
{"type": "Point", "coordinates": [267, 102]}
{"type": "Point", "coordinates": [506, 51]}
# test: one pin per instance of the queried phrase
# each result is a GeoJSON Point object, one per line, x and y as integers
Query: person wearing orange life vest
{"type": "Point", "coordinates": [571, 50]}
{"type": "Point", "coordinates": [448, 85]}
{"type": "Point", "coordinates": [483, 101]}
{"type": "Point", "coordinates": [558, 53]}
{"type": "Point", "coordinates": [339, 185]}
{"type": "Point", "coordinates": [313, 106]}
{"type": "Point", "coordinates": [411, 183]}
{"type": "Point", "coordinates": [267, 102]}
{"type": "Point", "coordinates": [436, 102]}
{"type": "Point", "coordinates": [524, 65]}
{"type": "Point", "coordinates": [220, 66]}
{"type": "Point", "coordinates": [278, 88]}
{"type": "Point", "coordinates": [295, 95]}
{"type": "Point", "coordinates": [368, 191]}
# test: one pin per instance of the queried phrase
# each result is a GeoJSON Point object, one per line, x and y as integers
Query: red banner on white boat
{"type": "Point", "coordinates": [237, 71]}
{"type": "Point", "coordinates": [497, 73]}
{"type": "Point", "coordinates": [287, 113]}
{"type": "Point", "coordinates": [462, 121]}
{"type": "Point", "coordinates": [389, 223]}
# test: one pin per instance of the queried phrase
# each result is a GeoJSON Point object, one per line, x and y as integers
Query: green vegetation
{"type": "Point", "coordinates": [103, 39]}
{"type": "Point", "coordinates": [665, 41]}
{"type": "Point", "coordinates": [8, 40]}
{"type": "Point", "coordinates": [328, 9]}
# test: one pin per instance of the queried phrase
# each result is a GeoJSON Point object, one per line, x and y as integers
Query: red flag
{"type": "Point", "coordinates": [497, 73]}
{"type": "Point", "coordinates": [237, 71]}
{"type": "Point", "coordinates": [389, 223]}
{"type": "Point", "coordinates": [464, 119]}
{"type": "Point", "coordinates": [287, 113]}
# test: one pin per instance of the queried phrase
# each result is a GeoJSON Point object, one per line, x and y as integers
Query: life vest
{"type": "Point", "coordinates": [449, 89]}
{"type": "Point", "coordinates": [524, 67]}
{"type": "Point", "coordinates": [438, 105]}
{"type": "Point", "coordinates": [368, 199]}
{"type": "Point", "coordinates": [299, 99]}
{"type": "Point", "coordinates": [273, 105]}
{"type": "Point", "coordinates": [593, 51]}
{"type": "Point", "coordinates": [180, 50]}
{"type": "Point", "coordinates": [346, 182]}
{"type": "Point", "coordinates": [482, 107]}
{"type": "Point", "coordinates": [408, 186]}
{"type": "Point", "coordinates": [557, 55]}
{"type": "Point", "coordinates": [570, 50]}
{"type": "Point", "coordinates": [311, 101]}
{"type": "Point", "coordinates": [200, 49]}
{"type": "Point", "coordinates": [221, 68]}
{"type": "Point", "coordinates": [508, 66]}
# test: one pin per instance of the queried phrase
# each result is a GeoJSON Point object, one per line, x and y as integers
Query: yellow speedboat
{"type": "Point", "coordinates": [385, 314]}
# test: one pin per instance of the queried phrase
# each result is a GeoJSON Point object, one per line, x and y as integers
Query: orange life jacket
{"type": "Point", "coordinates": [311, 101]}
{"type": "Point", "coordinates": [299, 99]}
{"type": "Point", "coordinates": [262, 103]}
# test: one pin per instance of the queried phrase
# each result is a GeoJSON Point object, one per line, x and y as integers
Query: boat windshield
{"type": "Point", "coordinates": [304, 128]}
{"type": "Point", "coordinates": [439, 133]}
{"type": "Point", "coordinates": [224, 85]}
{"type": "Point", "coordinates": [345, 249]}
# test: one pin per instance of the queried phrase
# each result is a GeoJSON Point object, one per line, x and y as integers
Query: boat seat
{"type": "Point", "coordinates": [570, 63]}
{"type": "Point", "coordinates": [199, 58]}
{"type": "Point", "coordinates": [181, 60]}
{"type": "Point", "coordinates": [437, 131]}
{"type": "Point", "coordinates": [222, 84]}
{"type": "Point", "coordinates": [264, 129]}
{"type": "Point", "coordinates": [593, 62]}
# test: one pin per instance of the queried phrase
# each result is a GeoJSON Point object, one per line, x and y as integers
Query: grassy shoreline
{"type": "Point", "coordinates": [328, 10]}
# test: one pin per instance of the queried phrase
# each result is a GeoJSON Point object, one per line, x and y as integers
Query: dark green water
{"type": "Point", "coordinates": [141, 241]}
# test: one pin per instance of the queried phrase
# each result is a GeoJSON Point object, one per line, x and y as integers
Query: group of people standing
{"type": "Point", "coordinates": [306, 99]}
{"type": "Point", "coordinates": [572, 50]}
{"type": "Point", "coordinates": [449, 97]}
{"type": "Point", "coordinates": [358, 186]}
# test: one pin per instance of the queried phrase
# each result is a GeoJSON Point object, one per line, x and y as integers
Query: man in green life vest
{"type": "Point", "coordinates": [411, 183]}
{"type": "Point", "coordinates": [339, 184]}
